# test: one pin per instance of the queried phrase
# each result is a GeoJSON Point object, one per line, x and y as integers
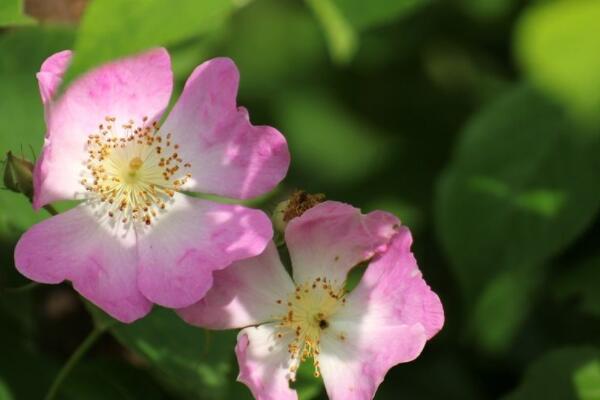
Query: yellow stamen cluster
{"type": "Point", "coordinates": [134, 172]}
{"type": "Point", "coordinates": [309, 309]}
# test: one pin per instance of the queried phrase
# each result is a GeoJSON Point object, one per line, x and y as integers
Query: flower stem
{"type": "Point", "coordinates": [74, 359]}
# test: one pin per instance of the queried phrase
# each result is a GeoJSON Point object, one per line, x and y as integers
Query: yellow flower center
{"type": "Point", "coordinates": [309, 310]}
{"type": "Point", "coordinates": [134, 174]}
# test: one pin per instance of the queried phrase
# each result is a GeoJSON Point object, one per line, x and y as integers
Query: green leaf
{"type": "Point", "coordinates": [366, 14]}
{"type": "Point", "coordinates": [503, 306]}
{"type": "Point", "coordinates": [587, 381]}
{"type": "Point", "coordinates": [581, 282]}
{"type": "Point", "coordinates": [341, 37]}
{"type": "Point", "coordinates": [190, 361]}
{"type": "Point", "coordinates": [558, 48]}
{"type": "Point", "coordinates": [109, 379]}
{"type": "Point", "coordinates": [115, 28]}
{"type": "Point", "coordinates": [489, 9]}
{"type": "Point", "coordinates": [521, 187]}
{"type": "Point", "coordinates": [328, 143]}
{"type": "Point", "coordinates": [22, 130]}
{"type": "Point", "coordinates": [268, 56]}
{"type": "Point", "coordinates": [557, 375]}
{"type": "Point", "coordinates": [11, 13]}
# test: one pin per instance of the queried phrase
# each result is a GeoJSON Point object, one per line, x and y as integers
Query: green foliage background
{"type": "Point", "coordinates": [477, 122]}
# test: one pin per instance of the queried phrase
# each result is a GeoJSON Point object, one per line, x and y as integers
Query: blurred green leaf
{"type": "Point", "coordinates": [341, 37]}
{"type": "Point", "coordinates": [328, 143]}
{"type": "Point", "coordinates": [554, 375]}
{"type": "Point", "coordinates": [521, 187]}
{"type": "Point", "coordinates": [190, 361]}
{"type": "Point", "coordinates": [365, 14]}
{"type": "Point", "coordinates": [268, 57]}
{"type": "Point", "coordinates": [12, 13]}
{"type": "Point", "coordinates": [25, 371]}
{"type": "Point", "coordinates": [5, 393]}
{"type": "Point", "coordinates": [558, 47]}
{"type": "Point", "coordinates": [22, 131]}
{"type": "Point", "coordinates": [581, 282]}
{"type": "Point", "coordinates": [105, 379]}
{"type": "Point", "coordinates": [587, 381]}
{"type": "Point", "coordinates": [503, 306]}
{"type": "Point", "coordinates": [115, 28]}
{"type": "Point", "coordinates": [488, 9]}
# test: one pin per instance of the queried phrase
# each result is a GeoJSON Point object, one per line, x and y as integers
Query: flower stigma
{"type": "Point", "coordinates": [309, 310]}
{"type": "Point", "coordinates": [133, 173]}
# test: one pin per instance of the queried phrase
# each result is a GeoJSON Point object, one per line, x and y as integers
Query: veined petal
{"type": "Point", "coordinates": [237, 159]}
{"type": "Point", "coordinates": [248, 292]}
{"type": "Point", "coordinates": [100, 260]}
{"type": "Point", "coordinates": [264, 363]}
{"type": "Point", "coordinates": [386, 321]}
{"type": "Point", "coordinates": [331, 238]}
{"type": "Point", "coordinates": [127, 89]}
{"type": "Point", "coordinates": [183, 247]}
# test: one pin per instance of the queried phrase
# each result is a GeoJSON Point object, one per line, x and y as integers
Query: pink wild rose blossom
{"type": "Point", "coordinates": [353, 338]}
{"type": "Point", "coordinates": [135, 239]}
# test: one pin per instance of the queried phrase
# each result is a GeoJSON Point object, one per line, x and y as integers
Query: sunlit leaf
{"type": "Point", "coordinates": [557, 45]}
{"type": "Point", "coordinates": [587, 380]}
{"type": "Point", "coordinates": [115, 28]}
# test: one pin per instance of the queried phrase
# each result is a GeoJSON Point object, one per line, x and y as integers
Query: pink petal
{"type": "Point", "coordinates": [180, 251]}
{"type": "Point", "coordinates": [264, 363]}
{"type": "Point", "coordinates": [331, 238]}
{"type": "Point", "coordinates": [99, 261]}
{"type": "Point", "coordinates": [230, 157]}
{"type": "Point", "coordinates": [50, 75]}
{"type": "Point", "coordinates": [248, 292]}
{"type": "Point", "coordinates": [355, 369]}
{"type": "Point", "coordinates": [386, 321]}
{"type": "Point", "coordinates": [130, 88]}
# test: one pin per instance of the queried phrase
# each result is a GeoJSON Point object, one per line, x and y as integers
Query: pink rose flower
{"type": "Point", "coordinates": [353, 338]}
{"type": "Point", "coordinates": [135, 239]}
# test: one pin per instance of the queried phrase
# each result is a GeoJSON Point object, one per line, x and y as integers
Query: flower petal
{"type": "Point", "coordinates": [127, 89]}
{"type": "Point", "coordinates": [248, 292]}
{"type": "Point", "coordinates": [51, 73]}
{"type": "Point", "coordinates": [230, 157]}
{"type": "Point", "coordinates": [100, 261]}
{"type": "Point", "coordinates": [386, 321]}
{"type": "Point", "coordinates": [180, 251]}
{"type": "Point", "coordinates": [355, 368]}
{"type": "Point", "coordinates": [264, 363]}
{"type": "Point", "coordinates": [331, 238]}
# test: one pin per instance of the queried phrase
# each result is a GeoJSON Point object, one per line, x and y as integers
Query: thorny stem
{"type": "Point", "coordinates": [75, 358]}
